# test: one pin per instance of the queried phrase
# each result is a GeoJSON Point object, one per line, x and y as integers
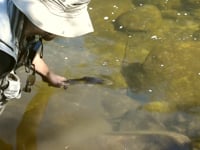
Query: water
{"type": "Point", "coordinates": [148, 50]}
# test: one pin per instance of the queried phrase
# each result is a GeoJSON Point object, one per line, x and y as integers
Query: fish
{"type": "Point", "coordinates": [86, 80]}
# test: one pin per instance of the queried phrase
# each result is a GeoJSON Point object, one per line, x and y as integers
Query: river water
{"type": "Point", "coordinates": [148, 54]}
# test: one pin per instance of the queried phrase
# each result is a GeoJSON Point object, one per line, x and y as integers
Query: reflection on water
{"type": "Point", "coordinates": [149, 49]}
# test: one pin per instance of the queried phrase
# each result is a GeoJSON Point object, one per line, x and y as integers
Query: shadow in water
{"type": "Point", "coordinates": [5, 146]}
{"type": "Point", "coordinates": [27, 129]}
{"type": "Point", "coordinates": [134, 75]}
{"type": "Point", "coordinates": [138, 82]}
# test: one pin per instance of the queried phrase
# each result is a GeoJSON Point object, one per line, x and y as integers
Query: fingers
{"type": "Point", "coordinates": [55, 80]}
{"type": "Point", "coordinates": [64, 85]}
{"type": "Point", "coordinates": [59, 84]}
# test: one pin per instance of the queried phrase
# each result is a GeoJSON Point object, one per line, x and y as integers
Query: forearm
{"type": "Point", "coordinates": [47, 75]}
{"type": "Point", "coordinates": [40, 66]}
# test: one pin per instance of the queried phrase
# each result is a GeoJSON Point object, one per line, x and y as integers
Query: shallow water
{"type": "Point", "coordinates": [152, 67]}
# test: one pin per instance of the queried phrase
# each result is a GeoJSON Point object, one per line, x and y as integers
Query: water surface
{"type": "Point", "coordinates": [148, 50]}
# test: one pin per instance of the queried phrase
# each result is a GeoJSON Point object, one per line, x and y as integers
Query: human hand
{"type": "Point", "coordinates": [55, 80]}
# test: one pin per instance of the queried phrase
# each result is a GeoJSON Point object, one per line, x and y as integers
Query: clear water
{"type": "Point", "coordinates": [148, 51]}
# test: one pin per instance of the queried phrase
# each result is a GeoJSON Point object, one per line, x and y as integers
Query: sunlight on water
{"type": "Point", "coordinates": [149, 51]}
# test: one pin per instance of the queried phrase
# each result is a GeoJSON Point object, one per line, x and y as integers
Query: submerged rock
{"type": "Point", "coordinates": [191, 4]}
{"type": "Point", "coordinates": [140, 19]}
{"type": "Point", "coordinates": [135, 120]}
{"type": "Point", "coordinates": [172, 74]}
{"type": "Point", "coordinates": [140, 140]}
{"type": "Point", "coordinates": [161, 4]}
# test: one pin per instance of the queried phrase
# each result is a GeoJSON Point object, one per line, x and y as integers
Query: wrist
{"type": "Point", "coordinates": [45, 75]}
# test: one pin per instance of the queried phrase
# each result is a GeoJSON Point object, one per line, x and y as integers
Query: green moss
{"type": "Point", "coordinates": [159, 106]}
